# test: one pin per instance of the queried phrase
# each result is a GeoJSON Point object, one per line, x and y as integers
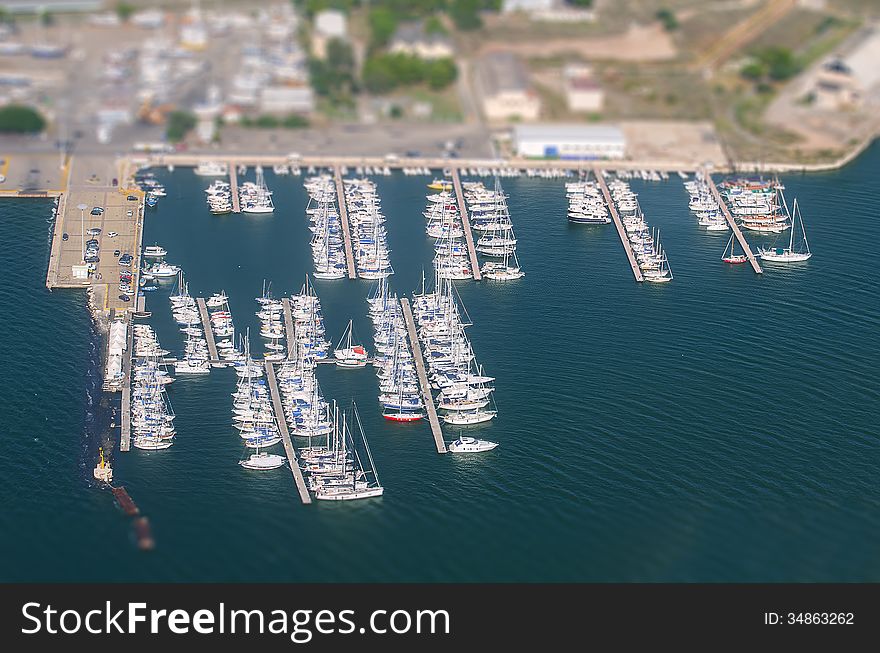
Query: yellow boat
{"type": "Point", "coordinates": [102, 471]}
{"type": "Point", "coordinates": [440, 184]}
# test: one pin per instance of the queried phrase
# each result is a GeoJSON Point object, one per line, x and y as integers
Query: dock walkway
{"type": "Point", "coordinates": [753, 260]}
{"type": "Point", "coordinates": [285, 434]}
{"type": "Point", "coordinates": [206, 327]}
{"type": "Point", "coordinates": [233, 187]}
{"type": "Point", "coordinates": [289, 329]}
{"type": "Point", "coordinates": [343, 218]}
{"type": "Point", "coordinates": [125, 403]}
{"type": "Point", "coordinates": [636, 270]}
{"type": "Point", "coordinates": [427, 397]}
{"type": "Point", "coordinates": [466, 224]}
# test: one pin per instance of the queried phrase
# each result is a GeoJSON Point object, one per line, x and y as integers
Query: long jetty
{"type": "Point", "coordinates": [206, 327]}
{"type": "Point", "coordinates": [125, 403]}
{"type": "Point", "coordinates": [233, 187]}
{"type": "Point", "coordinates": [285, 434]}
{"type": "Point", "coordinates": [466, 224]}
{"type": "Point", "coordinates": [636, 270]}
{"type": "Point", "coordinates": [289, 330]}
{"type": "Point", "coordinates": [343, 218]}
{"type": "Point", "coordinates": [753, 260]}
{"type": "Point", "coordinates": [427, 397]}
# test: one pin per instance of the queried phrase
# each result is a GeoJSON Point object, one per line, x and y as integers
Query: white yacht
{"type": "Point", "coordinates": [154, 251]}
{"type": "Point", "coordinates": [465, 444]}
{"type": "Point", "coordinates": [262, 460]}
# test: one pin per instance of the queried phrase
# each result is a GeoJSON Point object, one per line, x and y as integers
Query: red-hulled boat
{"type": "Point", "coordinates": [403, 416]}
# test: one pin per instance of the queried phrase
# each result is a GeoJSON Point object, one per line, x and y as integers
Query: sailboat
{"type": "Point", "coordinates": [788, 254]}
{"type": "Point", "coordinates": [347, 353]}
{"type": "Point", "coordinates": [262, 460]}
{"type": "Point", "coordinates": [353, 478]}
{"type": "Point", "coordinates": [729, 257]}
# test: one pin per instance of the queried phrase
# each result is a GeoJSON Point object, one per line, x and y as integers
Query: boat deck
{"type": "Point", "coordinates": [206, 327]}
{"type": "Point", "coordinates": [427, 397]}
{"type": "Point", "coordinates": [289, 329]}
{"type": "Point", "coordinates": [343, 218]}
{"type": "Point", "coordinates": [233, 187]}
{"type": "Point", "coordinates": [753, 260]}
{"type": "Point", "coordinates": [466, 224]}
{"type": "Point", "coordinates": [285, 434]}
{"type": "Point", "coordinates": [125, 501]}
{"type": "Point", "coordinates": [634, 265]}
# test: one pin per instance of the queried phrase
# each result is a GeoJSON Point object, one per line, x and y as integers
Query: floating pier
{"type": "Point", "coordinates": [125, 403]}
{"type": "Point", "coordinates": [285, 434]}
{"type": "Point", "coordinates": [427, 397]}
{"type": "Point", "coordinates": [343, 218]}
{"type": "Point", "coordinates": [289, 330]}
{"type": "Point", "coordinates": [466, 224]}
{"type": "Point", "coordinates": [636, 270]}
{"type": "Point", "coordinates": [753, 260]}
{"type": "Point", "coordinates": [233, 187]}
{"type": "Point", "coordinates": [206, 327]}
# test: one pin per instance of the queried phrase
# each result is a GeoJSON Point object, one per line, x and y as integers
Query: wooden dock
{"type": "Point", "coordinates": [427, 397]}
{"type": "Point", "coordinates": [233, 187]}
{"type": "Point", "coordinates": [343, 218]}
{"type": "Point", "coordinates": [206, 327]}
{"type": "Point", "coordinates": [636, 270]}
{"type": "Point", "coordinates": [289, 329]}
{"type": "Point", "coordinates": [125, 403]}
{"type": "Point", "coordinates": [466, 224]}
{"type": "Point", "coordinates": [753, 260]}
{"type": "Point", "coordinates": [285, 434]}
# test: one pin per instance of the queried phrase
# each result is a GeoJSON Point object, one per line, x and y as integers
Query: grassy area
{"type": "Point", "coordinates": [653, 91]}
{"type": "Point", "coordinates": [699, 31]}
{"type": "Point", "coordinates": [446, 107]}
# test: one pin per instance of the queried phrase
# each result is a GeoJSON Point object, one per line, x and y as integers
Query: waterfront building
{"type": "Point", "coordinates": [412, 39]}
{"type": "Point", "coordinates": [573, 141]}
{"type": "Point", "coordinates": [505, 90]}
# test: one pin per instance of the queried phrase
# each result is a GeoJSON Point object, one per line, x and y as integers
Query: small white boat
{"type": "Point", "coordinates": [789, 254]}
{"type": "Point", "coordinates": [103, 471]}
{"type": "Point", "coordinates": [154, 251]}
{"type": "Point", "coordinates": [465, 444]}
{"type": "Point", "coordinates": [262, 460]}
{"type": "Point", "coordinates": [466, 418]}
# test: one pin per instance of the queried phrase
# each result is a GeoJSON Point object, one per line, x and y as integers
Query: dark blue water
{"type": "Point", "coordinates": [722, 427]}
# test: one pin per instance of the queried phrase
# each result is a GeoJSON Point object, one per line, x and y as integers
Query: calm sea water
{"type": "Point", "coordinates": [719, 428]}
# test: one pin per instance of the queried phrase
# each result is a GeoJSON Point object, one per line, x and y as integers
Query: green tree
{"type": "Point", "coordinates": [433, 25]}
{"type": "Point", "coordinates": [781, 63]}
{"type": "Point", "coordinates": [466, 14]}
{"type": "Point", "coordinates": [179, 124]}
{"type": "Point", "coordinates": [383, 23]}
{"type": "Point", "coordinates": [753, 71]}
{"type": "Point", "coordinates": [378, 76]}
{"type": "Point", "coordinates": [668, 18]}
{"type": "Point", "coordinates": [19, 119]}
{"type": "Point", "coordinates": [395, 111]}
{"type": "Point", "coordinates": [584, 4]}
{"type": "Point", "coordinates": [124, 10]}
{"type": "Point", "coordinates": [441, 73]}
{"type": "Point", "coordinates": [294, 121]}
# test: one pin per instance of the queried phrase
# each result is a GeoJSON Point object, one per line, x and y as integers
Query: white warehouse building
{"type": "Point", "coordinates": [547, 141]}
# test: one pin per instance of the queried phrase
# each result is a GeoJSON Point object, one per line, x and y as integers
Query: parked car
{"type": "Point", "coordinates": [97, 210]}
{"type": "Point", "coordinates": [116, 253]}
{"type": "Point", "coordinates": [112, 234]}
{"type": "Point", "coordinates": [129, 213]}
{"type": "Point", "coordinates": [64, 236]}
{"type": "Point", "coordinates": [132, 198]}
{"type": "Point", "coordinates": [94, 231]}
{"type": "Point", "coordinates": [125, 298]}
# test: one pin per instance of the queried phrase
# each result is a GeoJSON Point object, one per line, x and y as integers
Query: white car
{"type": "Point", "coordinates": [112, 234]}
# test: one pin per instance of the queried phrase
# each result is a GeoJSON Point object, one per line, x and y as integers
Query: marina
{"type": "Point", "coordinates": [468, 234]}
{"type": "Point", "coordinates": [624, 240]}
{"type": "Point", "coordinates": [737, 232]}
{"type": "Point", "coordinates": [343, 218]}
{"type": "Point", "coordinates": [427, 396]}
{"type": "Point", "coordinates": [289, 449]}
{"type": "Point", "coordinates": [207, 330]}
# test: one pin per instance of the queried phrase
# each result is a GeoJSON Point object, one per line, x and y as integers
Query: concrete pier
{"type": "Point", "coordinates": [289, 329]}
{"type": "Point", "coordinates": [753, 260]}
{"type": "Point", "coordinates": [633, 264]}
{"type": "Point", "coordinates": [427, 397]}
{"type": "Point", "coordinates": [343, 218]}
{"type": "Point", "coordinates": [125, 403]}
{"type": "Point", "coordinates": [466, 223]}
{"type": "Point", "coordinates": [233, 187]}
{"type": "Point", "coordinates": [206, 327]}
{"type": "Point", "coordinates": [285, 434]}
